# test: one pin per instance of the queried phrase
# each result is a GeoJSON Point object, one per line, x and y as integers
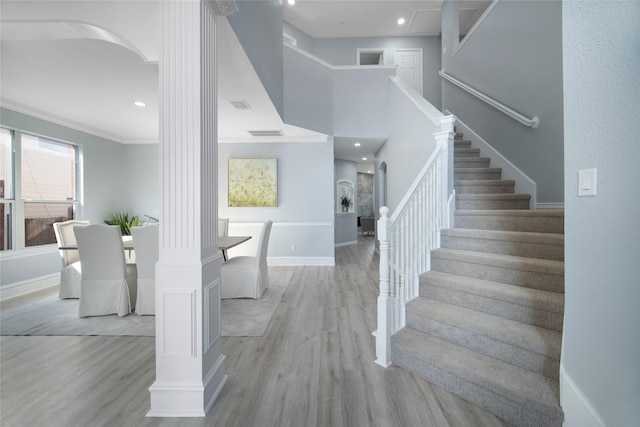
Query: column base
{"type": "Point", "coordinates": [173, 400]}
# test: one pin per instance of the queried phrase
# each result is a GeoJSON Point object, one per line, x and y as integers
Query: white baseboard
{"type": "Point", "coordinates": [355, 242]}
{"type": "Point", "coordinates": [215, 380]}
{"type": "Point", "coordinates": [578, 411]}
{"type": "Point", "coordinates": [301, 261]}
{"type": "Point", "coordinates": [556, 205]}
{"type": "Point", "coordinates": [171, 400]}
{"type": "Point", "coordinates": [28, 286]}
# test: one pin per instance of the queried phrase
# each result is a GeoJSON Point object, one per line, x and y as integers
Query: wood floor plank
{"type": "Point", "coordinates": [314, 366]}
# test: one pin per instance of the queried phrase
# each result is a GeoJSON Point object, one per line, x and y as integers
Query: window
{"type": "Point", "coordinates": [6, 188]}
{"type": "Point", "coordinates": [43, 190]}
{"type": "Point", "coordinates": [369, 56]}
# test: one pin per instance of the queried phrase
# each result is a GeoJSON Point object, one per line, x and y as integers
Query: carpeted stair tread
{"type": "Point", "coordinates": [519, 303]}
{"type": "Point", "coordinates": [540, 220]}
{"type": "Point", "coordinates": [512, 393]}
{"type": "Point", "coordinates": [464, 152]}
{"type": "Point", "coordinates": [493, 196]}
{"type": "Point", "coordinates": [478, 170]}
{"type": "Point", "coordinates": [492, 201]}
{"type": "Point", "coordinates": [471, 162]}
{"type": "Point", "coordinates": [518, 243]}
{"type": "Point", "coordinates": [524, 271]}
{"type": "Point", "coordinates": [529, 297]}
{"type": "Point", "coordinates": [484, 186]}
{"type": "Point", "coordinates": [532, 338]}
{"type": "Point", "coordinates": [477, 173]}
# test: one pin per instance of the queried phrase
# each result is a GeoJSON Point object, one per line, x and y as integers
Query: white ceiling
{"type": "Point", "coordinates": [61, 63]}
{"type": "Point", "coordinates": [375, 18]}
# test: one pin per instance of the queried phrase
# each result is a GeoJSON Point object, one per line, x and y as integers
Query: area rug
{"type": "Point", "coordinates": [247, 317]}
{"type": "Point", "coordinates": [49, 315]}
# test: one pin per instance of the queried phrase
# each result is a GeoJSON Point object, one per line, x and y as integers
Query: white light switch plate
{"type": "Point", "coordinates": [587, 182]}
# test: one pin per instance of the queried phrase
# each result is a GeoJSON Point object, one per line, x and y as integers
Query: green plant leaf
{"type": "Point", "coordinates": [122, 220]}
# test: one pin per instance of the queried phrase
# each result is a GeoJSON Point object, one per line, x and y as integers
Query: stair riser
{"type": "Point", "coordinates": [505, 223]}
{"type": "Point", "coordinates": [463, 153]}
{"type": "Point", "coordinates": [503, 274]}
{"type": "Point", "coordinates": [471, 163]}
{"type": "Point", "coordinates": [505, 247]}
{"type": "Point", "coordinates": [485, 189]}
{"type": "Point", "coordinates": [481, 175]}
{"type": "Point", "coordinates": [459, 143]}
{"type": "Point", "coordinates": [506, 309]}
{"type": "Point", "coordinates": [492, 204]}
{"type": "Point", "coordinates": [497, 404]}
{"type": "Point", "coordinates": [537, 363]}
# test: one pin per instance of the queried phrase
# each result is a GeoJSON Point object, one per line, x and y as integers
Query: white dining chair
{"type": "Point", "coordinates": [247, 276]}
{"type": "Point", "coordinates": [146, 244]}
{"type": "Point", "coordinates": [223, 226]}
{"type": "Point", "coordinates": [223, 230]}
{"type": "Point", "coordinates": [109, 284]}
{"type": "Point", "coordinates": [70, 272]}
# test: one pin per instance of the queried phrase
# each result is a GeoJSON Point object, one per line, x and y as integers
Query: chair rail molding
{"type": "Point", "coordinates": [530, 122]}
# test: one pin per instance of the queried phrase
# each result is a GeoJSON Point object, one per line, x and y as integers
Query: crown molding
{"type": "Point", "coordinates": [32, 112]}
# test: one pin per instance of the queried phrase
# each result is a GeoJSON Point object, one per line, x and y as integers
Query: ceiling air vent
{"type": "Point", "coordinates": [265, 133]}
{"type": "Point", "coordinates": [240, 105]}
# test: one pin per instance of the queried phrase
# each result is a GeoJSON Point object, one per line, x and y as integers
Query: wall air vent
{"type": "Point", "coordinates": [240, 105]}
{"type": "Point", "coordinates": [266, 133]}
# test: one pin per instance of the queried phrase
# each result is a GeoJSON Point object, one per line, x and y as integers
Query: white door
{"type": "Point", "coordinates": [409, 62]}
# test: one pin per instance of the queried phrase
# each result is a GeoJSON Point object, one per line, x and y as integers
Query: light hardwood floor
{"type": "Point", "coordinates": [313, 367]}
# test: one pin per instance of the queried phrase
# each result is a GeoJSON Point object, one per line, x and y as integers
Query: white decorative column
{"type": "Point", "coordinates": [189, 361]}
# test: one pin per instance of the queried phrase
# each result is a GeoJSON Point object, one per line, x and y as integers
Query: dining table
{"type": "Point", "coordinates": [224, 243]}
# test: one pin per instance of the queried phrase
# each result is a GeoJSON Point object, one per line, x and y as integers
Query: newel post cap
{"type": "Point", "coordinates": [384, 224]}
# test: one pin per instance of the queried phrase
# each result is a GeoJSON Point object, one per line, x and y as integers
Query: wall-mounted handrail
{"type": "Point", "coordinates": [533, 122]}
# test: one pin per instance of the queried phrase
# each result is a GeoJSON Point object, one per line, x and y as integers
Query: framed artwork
{"type": "Point", "coordinates": [253, 182]}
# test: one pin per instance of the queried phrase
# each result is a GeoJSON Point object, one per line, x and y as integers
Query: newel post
{"type": "Point", "coordinates": [385, 306]}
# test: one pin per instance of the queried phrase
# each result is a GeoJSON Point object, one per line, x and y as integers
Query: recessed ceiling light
{"type": "Point", "coordinates": [357, 144]}
{"type": "Point", "coordinates": [291, 2]}
{"type": "Point", "coordinates": [368, 171]}
{"type": "Point", "coordinates": [139, 104]}
{"type": "Point", "coordinates": [401, 21]}
{"type": "Point", "coordinates": [364, 158]}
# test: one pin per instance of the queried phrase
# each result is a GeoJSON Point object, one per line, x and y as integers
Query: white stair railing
{"type": "Point", "coordinates": [407, 238]}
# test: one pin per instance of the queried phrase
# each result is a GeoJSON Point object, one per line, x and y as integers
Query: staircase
{"type": "Point", "coordinates": [487, 325]}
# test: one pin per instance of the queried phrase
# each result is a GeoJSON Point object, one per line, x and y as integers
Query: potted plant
{"type": "Point", "coordinates": [346, 203]}
{"type": "Point", "coordinates": [122, 220]}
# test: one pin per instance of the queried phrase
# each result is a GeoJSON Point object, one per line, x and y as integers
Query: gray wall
{"type": "Point", "coordinates": [601, 349]}
{"type": "Point", "coordinates": [303, 40]}
{"type": "Point", "coordinates": [515, 57]}
{"type": "Point", "coordinates": [308, 89]}
{"type": "Point", "coordinates": [342, 51]}
{"type": "Point", "coordinates": [346, 228]}
{"type": "Point", "coordinates": [408, 147]}
{"type": "Point", "coordinates": [258, 26]}
{"type": "Point", "coordinates": [143, 180]}
{"type": "Point", "coordinates": [361, 102]}
{"type": "Point", "coordinates": [342, 102]}
{"type": "Point", "coordinates": [105, 190]}
{"type": "Point", "coordinates": [304, 216]}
